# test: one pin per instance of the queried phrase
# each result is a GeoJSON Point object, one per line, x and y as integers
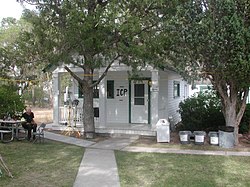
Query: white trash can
{"type": "Point", "coordinates": [185, 137]}
{"type": "Point", "coordinates": [163, 131]}
{"type": "Point", "coordinates": [213, 138]}
{"type": "Point", "coordinates": [199, 137]}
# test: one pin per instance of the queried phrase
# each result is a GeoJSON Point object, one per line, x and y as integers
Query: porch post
{"type": "Point", "coordinates": [102, 101]}
{"type": "Point", "coordinates": [154, 98]}
{"type": "Point", "coordinates": [56, 100]}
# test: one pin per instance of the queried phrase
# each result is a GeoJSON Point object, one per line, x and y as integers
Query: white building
{"type": "Point", "coordinates": [124, 105]}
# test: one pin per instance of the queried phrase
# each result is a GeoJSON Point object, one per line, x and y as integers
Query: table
{"type": "Point", "coordinates": [12, 125]}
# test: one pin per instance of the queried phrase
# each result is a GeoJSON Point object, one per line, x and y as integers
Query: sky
{"type": "Point", "coordinates": [10, 8]}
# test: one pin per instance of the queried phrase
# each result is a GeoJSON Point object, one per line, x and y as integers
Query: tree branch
{"type": "Point", "coordinates": [78, 79]}
{"type": "Point", "coordinates": [105, 72]}
{"type": "Point", "coordinates": [243, 106]}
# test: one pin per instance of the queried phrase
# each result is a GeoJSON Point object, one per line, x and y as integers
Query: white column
{"type": "Point", "coordinates": [154, 98]}
{"type": "Point", "coordinates": [102, 101]}
{"type": "Point", "coordinates": [56, 94]}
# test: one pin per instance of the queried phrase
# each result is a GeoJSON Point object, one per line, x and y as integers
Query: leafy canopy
{"type": "Point", "coordinates": [212, 40]}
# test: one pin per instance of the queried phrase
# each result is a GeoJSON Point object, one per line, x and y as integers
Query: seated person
{"type": "Point", "coordinates": [29, 123]}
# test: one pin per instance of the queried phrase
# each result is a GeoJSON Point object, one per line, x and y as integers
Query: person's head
{"type": "Point", "coordinates": [28, 110]}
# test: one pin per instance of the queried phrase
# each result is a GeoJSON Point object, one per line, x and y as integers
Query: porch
{"type": "Point", "coordinates": [73, 117]}
{"type": "Point", "coordinates": [111, 129]}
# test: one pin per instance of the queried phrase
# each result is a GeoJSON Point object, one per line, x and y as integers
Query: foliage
{"type": "Point", "coordinates": [201, 112]}
{"type": "Point", "coordinates": [245, 121]}
{"type": "Point", "coordinates": [10, 102]}
{"type": "Point", "coordinates": [95, 34]}
{"type": "Point", "coordinates": [36, 96]}
{"type": "Point", "coordinates": [211, 40]}
{"type": "Point", "coordinates": [20, 63]}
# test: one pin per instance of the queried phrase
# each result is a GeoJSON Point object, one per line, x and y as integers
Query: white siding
{"type": "Point", "coordinates": [118, 108]}
{"type": "Point", "coordinates": [163, 96]}
{"type": "Point", "coordinates": [173, 102]}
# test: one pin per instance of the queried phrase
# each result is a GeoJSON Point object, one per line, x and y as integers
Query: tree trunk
{"type": "Point", "coordinates": [231, 118]}
{"type": "Point", "coordinates": [233, 102]}
{"type": "Point", "coordinates": [234, 108]}
{"type": "Point", "coordinates": [88, 110]}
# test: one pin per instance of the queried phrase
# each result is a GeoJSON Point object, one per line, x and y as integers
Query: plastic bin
{"type": "Point", "coordinates": [185, 137]}
{"type": "Point", "coordinates": [213, 138]}
{"type": "Point", "coordinates": [199, 137]}
{"type": "Point", "coordinates": [163, 131]}
{"type": "Point", "coordinates": [226, 137]}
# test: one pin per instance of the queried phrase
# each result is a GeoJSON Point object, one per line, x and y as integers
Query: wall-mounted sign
{"type": "Point", "coordinates": [121, 92]}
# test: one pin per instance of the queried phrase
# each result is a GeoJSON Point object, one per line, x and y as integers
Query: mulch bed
{"type": "Point", "coordinates": [244, 140]}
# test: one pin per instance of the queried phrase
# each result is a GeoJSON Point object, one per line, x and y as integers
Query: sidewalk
{"type": "Point", "coordinates": [98, 166]}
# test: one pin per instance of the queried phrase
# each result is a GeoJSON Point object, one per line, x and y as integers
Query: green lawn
{"type": "Point", "coordinates": [49, 164]}
{"type": "Point", "coordinates": [56, 164]}
{"type": "Point", "coordinates": [153, 169]}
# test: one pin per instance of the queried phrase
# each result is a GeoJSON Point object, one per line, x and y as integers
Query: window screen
{"type": "Point", "coordinates": [139, 94]}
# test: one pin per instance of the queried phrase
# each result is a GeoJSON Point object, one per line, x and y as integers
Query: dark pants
{"type": "Point", "coordinates": [29, 127]}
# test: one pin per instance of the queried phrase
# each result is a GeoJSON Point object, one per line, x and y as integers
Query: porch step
{"type": "Point", "coordinates": [122, 132]}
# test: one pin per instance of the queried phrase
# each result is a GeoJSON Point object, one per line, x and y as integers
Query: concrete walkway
{"type": "Point", "coordinates": [98, 166]}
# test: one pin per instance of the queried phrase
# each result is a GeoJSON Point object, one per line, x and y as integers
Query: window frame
{"type": "Point", "coordinates": [176, 89]}
{"type": "Point", "coordinates": [110, 93]}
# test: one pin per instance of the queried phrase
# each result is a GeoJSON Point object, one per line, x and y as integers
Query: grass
{"type": "Point", "coordinates": [156, 170]}
{"type": "Point", "coordinates": [151, 142]}
{"type": "Point", "coordinates": [48, 164]}
{"type": "Point", "coordinates": [56, 164]}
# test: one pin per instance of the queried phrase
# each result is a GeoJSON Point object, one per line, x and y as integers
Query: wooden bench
{"type": "Point", "coordinates": [5, 132]}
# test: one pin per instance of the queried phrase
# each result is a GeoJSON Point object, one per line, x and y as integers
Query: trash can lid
{"type": "Point", "coordinates": [199, 133]}
{"type": "Point", "coordinates": [226, 128]}
{"type": "Point", "coordinates": [185, 132]}
{"type": "Point", "coordinates": [162, 122]}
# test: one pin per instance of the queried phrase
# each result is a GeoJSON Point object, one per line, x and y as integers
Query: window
{"type": "Point", "coordinates": [176, 89]}
{"type": "Point", "coordinates": [110, 89]}
{"type": "Point", "coordinates": [95, 91]}
{"type": "Point", "coordinates": [139, 92]}
{"type": "Point", "coordinates": [185, 91]}
{"type": "Point", "coordinates": [80, 93]}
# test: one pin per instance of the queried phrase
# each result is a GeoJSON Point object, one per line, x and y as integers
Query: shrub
{"type": "Point", "coordinates": [245, 121]}
{"type": "Point", "coordinates": [10, 102]}
{"type": "Point", "coordinates": [201, 112]}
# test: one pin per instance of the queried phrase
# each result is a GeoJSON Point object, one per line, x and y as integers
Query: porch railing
{"type": "Point", "coordinates": [70, 114]}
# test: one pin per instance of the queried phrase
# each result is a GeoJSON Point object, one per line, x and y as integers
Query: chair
{"type": "Point", "coordinates": [39, 134]}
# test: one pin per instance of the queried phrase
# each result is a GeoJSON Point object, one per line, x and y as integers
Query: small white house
{"type": "Point", "coordinates": [124, 103]}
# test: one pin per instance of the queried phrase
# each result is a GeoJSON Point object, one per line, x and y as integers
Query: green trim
{"type": "Point", "coordinates": [129, 102]}
{"type": "Point", "coordinates": [149, 103]}
{"type": "Point", "coordinates": [149, 98]}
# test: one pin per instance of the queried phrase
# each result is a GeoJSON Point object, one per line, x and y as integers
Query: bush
{"type": "Point", "coordinates": [201, 112]}
{"type": "Point", "coordinates": [245, 121]}
{"type": "Point", "coordinates": [11, 103]}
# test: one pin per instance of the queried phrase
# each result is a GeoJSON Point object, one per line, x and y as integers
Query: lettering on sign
{"type": "Point", "coordinates": [121, 92]}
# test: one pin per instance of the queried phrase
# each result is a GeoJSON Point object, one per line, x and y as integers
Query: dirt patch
{"type": "Point", "coordinates": [244, 143]}
{"type": "Point", "coordinates": [76, 134]}
{"type": "Point", "coordinates": [43, 115]}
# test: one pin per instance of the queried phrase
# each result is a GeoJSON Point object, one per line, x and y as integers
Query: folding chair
{"type": "Point", "coordinates": [39, 134]}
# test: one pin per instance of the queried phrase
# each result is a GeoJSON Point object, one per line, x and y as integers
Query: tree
{"type": "Point", "coordinates": [18, 58]}
{"type": "Point", "coordinates": [11, 103]}
{"type": "Point", "coordinates": [96, 33]}
{"type": "Point", "coordinates": [211, 40]}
